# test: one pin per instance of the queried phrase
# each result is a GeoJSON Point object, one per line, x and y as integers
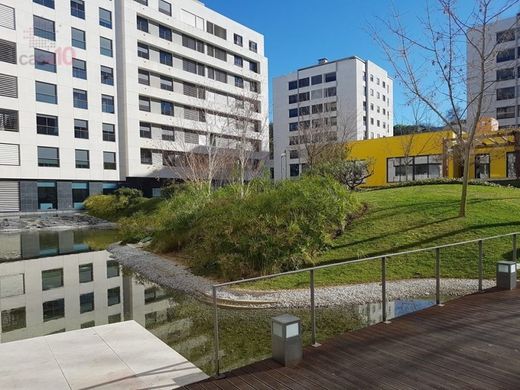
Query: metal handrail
{"type": "Point", "coordinates": [383, 258]}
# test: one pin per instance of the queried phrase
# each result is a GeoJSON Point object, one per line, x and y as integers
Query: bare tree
{"type": "Point", "coordinates": [324, 138]}
{"type": "Point", "coordinates": [439, 52]}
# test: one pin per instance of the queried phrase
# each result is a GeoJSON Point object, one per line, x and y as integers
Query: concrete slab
{"type": "Point", "coordinates": [115, 356]}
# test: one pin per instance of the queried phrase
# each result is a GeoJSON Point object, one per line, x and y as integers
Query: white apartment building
{"type": "Point", "coordinates": [101, 93]}
{"type": "Point", "coordinates": [347, 99]}
{"type": "Point", "coordinates": [502, 75]}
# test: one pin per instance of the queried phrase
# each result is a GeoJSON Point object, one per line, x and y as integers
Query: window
{"type": "Point", "coordinates": [86, 302]}
{"type": "Point", "coordinates": [144, 104]}
{"type": "Point", "coordinates": [53, 310]}
{"type": "Point", "coordinates": [238, 40]}
{"type": "Point", "coordinates": [146, 157]}
{"type": "Point", "coordinates": [46, 3]}
{"type": "Point", "coordinates": [194, 44]}
{"type": "Point", "coordinates": [143, 2]}
{"type": "Point", "coordinates": [168, 133]}
{"type": "Point", "coordinates": [77, 8]}
{"type": "Point", "coordinates": [190, 137]}
{"type": "Point", "coordinates": [506, 55]}
{"type": "Point", "coordinates": [8, 120]}
{"type": "Point", "coordinates": [46, 93]}
{"type": "Point", "coordinates": [165, 7]}
{"type": "Point", "coordinates": [47, 195]}
{"type": "Point", "coordinates": [80, 99]}
{"type": "Point", "coordinates": [482, 166]}
{"type": "Point", "coordinates": [513, 166]}
{"type": "Point", "coordinates": [293, 99]}
{"type": "Point", "coordinates": [45, 60]}
{"type": "Point", "coordinates": [48, 157]}
{"type": "Point", "coordinates": [505, 74]}
{"type": "Point", "coordinates": [78, 38]}
{"type": "Point", "coordinates": [8, 52]}
{"type": "Point", "coordinates": [80, 193]}
{"type": "Point", "coordinates": [329, 77]}
{"type": "Point", "coordinates": [80, 129]}
{"type": "Point", "coordinates": [317, 79]}
{"type": "Point", "coordinates": [165, 33]}
{"type": "Point", "coordinates": [217, 53]}
{"type": "Point", "coordinates": [505, 112]}
{"type": "Point", "coordinates": [142, 24]}
{"type": "Point", "coordinates": [143, 77]}
{"type": "Point", "coordinates": [112, 319]}
{"type": "Point", "coordinates": [239, 82]}
{"type": "Point", "coordinates": [13, 319]}
{"type": "Point", "coordinates": [305, 110]}
{"type": "Point", "coordinates": [293, 85]}
{"type": "Point", "coordinates": [105, 18]}
{"type": "Point", "coordinates": [505, 93]}
{"type": "Point", "coordinates": [253, 46]}
{"type": "Point", "coordinates": [109, 161]}
{"type": "Point", "coordinates": [107, 104]}
{"type": "Point", "coordinates": [109, 132]}
{"type": "Point", "coordinates": [166, 58]}
{"type": "Point", "coordinates": [107, 75]}
{"type": "Point", "coordinates": [329, 92]}
{"type": "Point", "coordinates": [303, 82]}
{"type": "Point", "coordinates": [166, 83]}
{"type": "Point", "coordinates": [414, 168]}
{"type": "Point", "coordinates": [239, 61]}
{"type": "Point", "coordinates": [46, 124]}
{"type": "Point", "coordinates": [86, 273]}
{"type": "Point", "coordinates": [293, 113]}
{"type": "Point", "coordinates": [143, 51]}
{"type": "Point", "coordinates": [79, 69]}
{"type": "Point", "coordinates": [317, 94]}
{"type": "Point", "coordinates": [505, 36]}
{"type": "Point", "coordinates": [145, 130]}
{"type": "Point", "coordinates": [82, 159]}
{"type": "Point", "coordinates": [113, 296]}
{"type": "Point", "coordinates": [294, 170]}
{"type": "Point", "coordinates": [216, 30]}
{"type": "Point", "coordinates": [88, 324]}
{"type": "Point", "coordinates": [169, 159]}
{"type": "Point", "coordinates": [105, 45]}
{"type": "Point", "coordinates": [44, 28]}
{"type": "Point", "coordinates": [317, 108]}
{"type": "Point", "coordinates": [52, 279]}
{"type": "Point", "coordinates": [167, 108]}
{"type": "Point", "coordinates": [8, 17]}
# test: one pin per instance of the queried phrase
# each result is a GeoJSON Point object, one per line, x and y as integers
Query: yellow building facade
{"type": "Point", "coordinates": [436, 155]}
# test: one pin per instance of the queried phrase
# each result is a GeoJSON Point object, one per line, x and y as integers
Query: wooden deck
{"type": "Point", "coordinates": [472, 342]}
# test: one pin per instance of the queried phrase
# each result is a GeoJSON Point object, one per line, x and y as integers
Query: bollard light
{"type": "Point", "coordinates": [287, 340]}
{"type": "Point", "coordinates": [506, 275]}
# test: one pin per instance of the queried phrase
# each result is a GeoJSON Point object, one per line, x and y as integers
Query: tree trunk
{"type": "Point", "coordinates": [465, 180]}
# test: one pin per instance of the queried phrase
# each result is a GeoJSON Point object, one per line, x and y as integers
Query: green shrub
{"type": "Point", "coordinates": [123, 202]}
{"type": "Point", "coordinates": [277, 227]}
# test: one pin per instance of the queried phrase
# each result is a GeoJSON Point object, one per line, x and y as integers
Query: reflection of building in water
{"type": "Point", "coordinates": [372, 313]}
{"type": "Point", "coordinates": [61, 293]}
{"type": "Point", "coordinates": [31, 245]}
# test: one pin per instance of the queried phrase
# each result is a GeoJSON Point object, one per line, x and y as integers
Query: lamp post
{"type": "Point", "coordinates": [283, 164]}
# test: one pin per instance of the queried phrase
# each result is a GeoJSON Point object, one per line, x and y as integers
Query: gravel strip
{"type": "Point", "coordinates": [62, 221]}
{"type": "Point", "coordinates": [168, 273]}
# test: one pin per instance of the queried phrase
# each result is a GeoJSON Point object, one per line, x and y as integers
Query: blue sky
{"type": "Point", "coordinates": [298, 32]}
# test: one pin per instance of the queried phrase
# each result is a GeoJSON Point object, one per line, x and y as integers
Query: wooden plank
{"type": "Point", "coordinates": [472, 342]}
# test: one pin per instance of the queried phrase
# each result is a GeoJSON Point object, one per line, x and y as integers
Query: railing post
{"type": "Point", "coordinates": [383, 289]}
{"type": "Point", "coordinates": [514, 248]}
{"type": "Point", "coordinates": [313, 311]}
{"type": "Point", "coordinates": [438, 276]}
{"type": "Point", "coordinates": [215, 334]}
{"type": "Point", "coordinates": [480, 265]}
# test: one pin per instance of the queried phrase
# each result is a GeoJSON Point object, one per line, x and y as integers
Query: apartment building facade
{"type": "Point", "coordinates": [98, 94]}
{"type": "Point", "coordinates": [337, 101]}
{"type": "Point", "coordinates": [501, 96]}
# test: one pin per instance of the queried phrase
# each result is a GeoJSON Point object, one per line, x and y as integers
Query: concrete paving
{"type": "Point", "coordinates": [116, 356]}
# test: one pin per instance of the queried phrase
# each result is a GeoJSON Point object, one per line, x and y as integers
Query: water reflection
{"type": "Point", "coordinates": [38, 244]}
{"type": "Point", "coordinates": [372, 313]}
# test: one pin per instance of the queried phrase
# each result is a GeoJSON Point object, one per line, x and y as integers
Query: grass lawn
{"type": "Point", "coordinates": [401, 219]}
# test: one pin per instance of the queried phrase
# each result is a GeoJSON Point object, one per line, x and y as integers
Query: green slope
{"type": "Point", "coordinates": [401, 219]}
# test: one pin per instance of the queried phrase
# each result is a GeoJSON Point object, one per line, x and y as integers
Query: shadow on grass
{"type": "Point", "coordinates": [430, 240]}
